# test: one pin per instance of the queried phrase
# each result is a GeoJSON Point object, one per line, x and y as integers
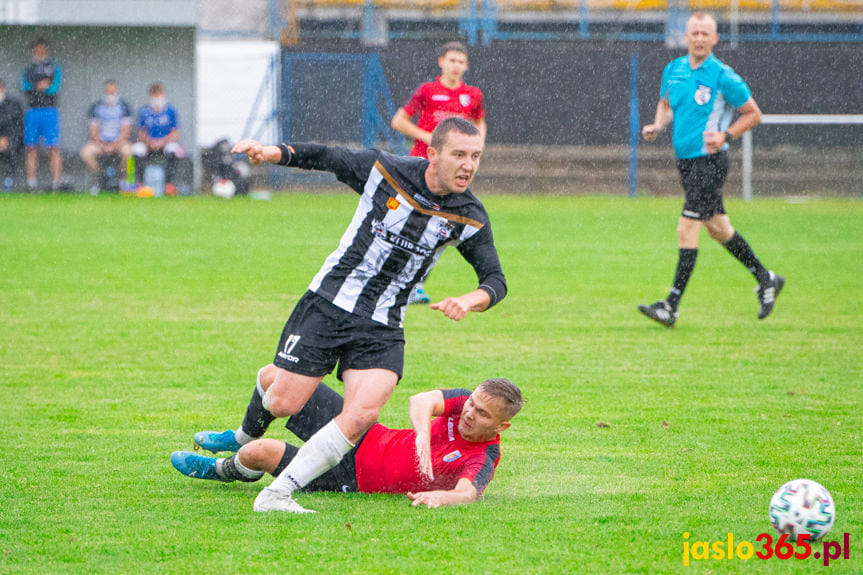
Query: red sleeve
{"type": "Point", "coordinates": [417, 101]}
{"type": "Point", "coordinates": [479, 110]}
{"type": "Point", "coordinates": [480, 468]}
{"type": "Point", "coordinates": [454, 400]}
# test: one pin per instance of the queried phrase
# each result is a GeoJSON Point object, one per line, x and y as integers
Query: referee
{"type": "Point", "coordinates": [410, 209]}
{"type": "Point", "coordinates": [701, 93]}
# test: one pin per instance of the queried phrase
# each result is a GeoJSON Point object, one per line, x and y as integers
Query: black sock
{"type": "Point", "coordinates": [228, 470]}
{"type": "Point", "coordinates": [685, 265]}
{"type": "Point", "coordinates": [257, 418]}
{"type": "Point", "coordinates": [739, 248]}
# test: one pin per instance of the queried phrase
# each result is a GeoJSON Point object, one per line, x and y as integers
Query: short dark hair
{"type": "Point", "coordinates": [156, 88]}
{"type": "Point", "coordinates": [40, 41]}
{"type": "Point", "coordinates": [451, 124]}
{"type": "Point", "coordinates": [506, 391]}
{"type": "Point", "coordinates": [451, 47]}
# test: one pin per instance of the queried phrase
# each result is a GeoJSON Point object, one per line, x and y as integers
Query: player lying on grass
{"type": "Point", "coordinates": [448, 458]}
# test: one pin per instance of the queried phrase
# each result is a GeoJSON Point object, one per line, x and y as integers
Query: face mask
{"type": "Point", "coordinates": [157, 103]}
{"type": "Point", "coordinates": [111, 99]}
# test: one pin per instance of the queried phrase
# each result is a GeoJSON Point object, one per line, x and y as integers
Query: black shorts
{"type": "Point", "coordinates": [702, 179]}
{"type": "Point", "coordinates": [321, 408]}
{"type": "Point", "coordinates": [318, 335]}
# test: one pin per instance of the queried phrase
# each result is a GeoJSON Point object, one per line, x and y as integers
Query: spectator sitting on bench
{"type": "Point", "coordinates": [110, 131]}
{"type": "Point", "coordinates": [158, 133]}
{"type": "Point", "coordinates": [11, 136]}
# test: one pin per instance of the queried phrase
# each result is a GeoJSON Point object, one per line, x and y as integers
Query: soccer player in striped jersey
{"type": "Point", "coordinates": [410, 210]}
{"type": "Point", "coordinates": [700, 94]}
{"type": "Point", "coordinates": [447, 96]}
{"type": "Point", "coordinates": [447, 458]}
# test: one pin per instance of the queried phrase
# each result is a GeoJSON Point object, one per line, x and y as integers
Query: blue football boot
{"type": "Point", "coordinates": [197, 466]}
{"type": "Point", "coordinates": [214, 441]}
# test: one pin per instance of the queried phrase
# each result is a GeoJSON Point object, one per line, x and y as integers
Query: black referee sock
{"type": "Point", "coordinates": [685, 265]}
{"type": "Point", "coordinates": [257, 418]}
{"type": "Point", "coordinates": [739, 248]}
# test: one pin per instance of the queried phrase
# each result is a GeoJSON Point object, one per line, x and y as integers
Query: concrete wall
{"type": "Point", "coordinates": [577, 93]}
{"type": "Point", "coordinates": [135, 56]}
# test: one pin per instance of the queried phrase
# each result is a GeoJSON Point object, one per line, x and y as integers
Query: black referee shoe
{"type": "Point", "coordinates": [660, 312]}
{"type": "Point", "coordinates": [768, 292]}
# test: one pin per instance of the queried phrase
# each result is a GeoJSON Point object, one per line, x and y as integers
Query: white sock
{"type": "Point", "coordinates": [242, 437]}
{"type": "Point", "coordinates": [319, 454]}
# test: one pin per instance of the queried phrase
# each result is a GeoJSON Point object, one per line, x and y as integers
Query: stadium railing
{"type": "Point", "coordinates": [787, 120]}
{"type": "Point", "coordinates": [488, 20]}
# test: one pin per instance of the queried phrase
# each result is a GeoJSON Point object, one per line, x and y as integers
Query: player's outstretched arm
{"type": "Point", "coordinates": [464, 492]}
{"type": "Point", "coordinates": [423, 407]}
{"type": "Point", "coordinates": [257, 152]}
{"type": "Point", "coordinates": [456, 308]}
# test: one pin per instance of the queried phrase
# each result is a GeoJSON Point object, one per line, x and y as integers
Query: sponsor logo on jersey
{"type": "Point", "coordinates": [393, 204]}
{"type": "Point", "coordinates": [464, 99]}
{"type": "Point", "coordinates": [379, 229]}
{"type": "Point", "coordinates": [702, 95]}
{"type": "Point", "coordinates": [445, 229]}
{"type": "Point", "coordinates": [450, 457]}
{"type": "Point", "coordinates": [440, 97]}
{"type": "Point", "coordinates": [426, 203]}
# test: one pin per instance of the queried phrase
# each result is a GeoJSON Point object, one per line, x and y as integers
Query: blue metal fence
{"type": "Point", "coordinates": [483, 23]}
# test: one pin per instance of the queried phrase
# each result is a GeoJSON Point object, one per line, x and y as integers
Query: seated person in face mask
{"type": "Point", "coordinates": [110, 129]}
{"type": "Point", "coordinates": [158, 134]}
{"type": "Point", "coordinates": [11, 136]}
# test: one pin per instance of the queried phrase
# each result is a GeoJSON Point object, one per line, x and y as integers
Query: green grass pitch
{"type": "Point", "coordinates": [126, 325]}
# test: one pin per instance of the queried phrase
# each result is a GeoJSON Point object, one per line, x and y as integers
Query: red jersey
{"type": "Point", "coordinates": [434, 102]}
{"type": "Point", "coordinates": [386, 460]}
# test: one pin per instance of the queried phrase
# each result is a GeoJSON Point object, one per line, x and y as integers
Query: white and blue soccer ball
{"type": "Point", "coordinates": [802, 506]}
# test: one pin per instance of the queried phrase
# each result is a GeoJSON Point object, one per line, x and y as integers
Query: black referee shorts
{"type": "Point", "coordinates": [321, 408]}
{"type": "Point", "coordinates": [702, 180]}
{"type": "Point", "coordinates": [318, 335]}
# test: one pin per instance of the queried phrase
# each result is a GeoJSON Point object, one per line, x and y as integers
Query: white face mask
{"type": "Point", "coordinates": [158, 102]}
{"type": "Point", "coordinates": [111, 99]}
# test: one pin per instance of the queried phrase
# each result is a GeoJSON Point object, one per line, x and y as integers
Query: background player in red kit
{"type": "Point", "coordinates": [448, 460]}
{"type": "Point", "coordinates": [434, 101]}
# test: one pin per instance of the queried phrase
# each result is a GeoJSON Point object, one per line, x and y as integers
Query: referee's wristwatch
{"type": "Point", "coordinates": [728, 137]}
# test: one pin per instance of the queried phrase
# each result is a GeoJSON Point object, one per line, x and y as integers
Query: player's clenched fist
{"type": "Point", "coordinates": [452, 307]}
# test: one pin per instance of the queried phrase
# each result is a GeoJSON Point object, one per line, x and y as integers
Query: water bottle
{"type": "Point", "coordinates": [154, 177]}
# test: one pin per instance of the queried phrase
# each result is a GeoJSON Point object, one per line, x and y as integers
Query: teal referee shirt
{"type": "Point", "coordinates": [703, 100]}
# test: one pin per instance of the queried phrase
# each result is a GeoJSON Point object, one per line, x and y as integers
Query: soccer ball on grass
{"type": "Point", "coordinates": [802, 506]}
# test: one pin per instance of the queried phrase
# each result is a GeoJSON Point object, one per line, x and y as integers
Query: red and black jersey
{"type": "Point", "coordinates": [435, 102]}
{"type": "Point", "coordinates": [386, 460]}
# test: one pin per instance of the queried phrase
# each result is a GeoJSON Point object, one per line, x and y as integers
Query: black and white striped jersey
{"type": "Point", "coordinates": [397, 234]}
